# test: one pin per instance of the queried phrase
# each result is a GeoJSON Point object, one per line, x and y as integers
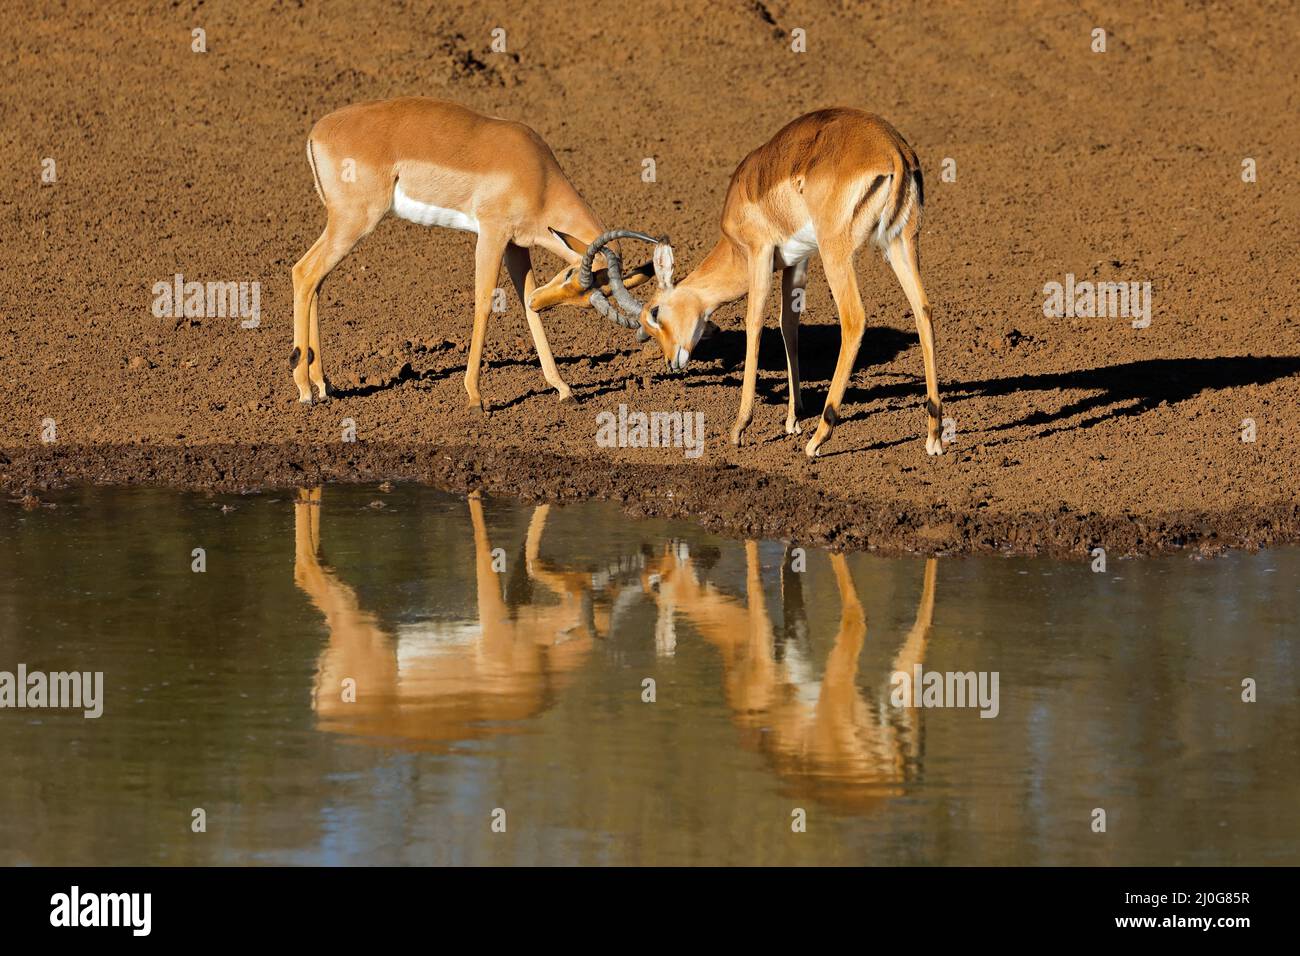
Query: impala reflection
{"type": "Point", "coordinates": [825, 737]}
{"type": "Point", "coordinates": [435, 683]}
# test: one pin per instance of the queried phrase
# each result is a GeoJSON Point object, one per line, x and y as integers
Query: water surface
{"type": "Point", "coordinates": [500, 654]}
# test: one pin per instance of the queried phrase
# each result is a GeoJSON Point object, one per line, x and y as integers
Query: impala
{"type": "Point", "coordinates": [823, 732]}
{"type": "Point", "coordinates": [438, 164]}
{"type": "Point", "coordinates": [431, 684]}
{"type": "Point", "coordinates": [826, 183]}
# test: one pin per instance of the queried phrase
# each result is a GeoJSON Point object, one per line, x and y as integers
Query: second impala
{"type": "Point", "coordinates": [826, 183]}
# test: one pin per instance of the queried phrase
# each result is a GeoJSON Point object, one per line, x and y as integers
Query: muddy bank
{"type": "Point", "coordinates": [730, 500]}
{"type": "Point", "coordinates": [1045, 163]}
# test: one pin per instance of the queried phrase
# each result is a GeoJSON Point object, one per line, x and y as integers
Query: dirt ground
{"type": "Point", "coordinates": [1123, 165]}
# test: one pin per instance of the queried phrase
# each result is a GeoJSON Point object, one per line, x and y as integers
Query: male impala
{"type": "Point", "coordinates": [826, 183]}
{"type": "Point", "coordinates": [824, 735]}
{"type": "Point", "coordinates": [439, 164]}
{"type": "Point", "coordinates": [431, 684]}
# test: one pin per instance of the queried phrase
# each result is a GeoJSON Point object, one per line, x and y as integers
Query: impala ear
{"type": "Point", "coordinates": [574, 246]}
{"type": "Point", "coordinates": [663, 260]}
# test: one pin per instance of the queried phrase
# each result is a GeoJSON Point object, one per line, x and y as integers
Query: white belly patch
{"type": "Point", "coordinates": [799, 246]}
{"type": "Point", "coordinates": [404, 207]}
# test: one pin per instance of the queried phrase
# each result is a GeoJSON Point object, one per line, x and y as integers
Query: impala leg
{"type": "Point", "coordinates": [519, 263]}
{"type": "Point", "coordinates": [839, 699]}
{"type": "Point", "coordinates": [837, 260]}
{"type": "Point", "coordinates": [533, 540]}
{"type": "Point", "coordinates": [842, 664]}
{"type": "Point", "coordinates": [316, 370]}
{"type": "Point", "coordinates": [903, 257]}
{"type": "Point", "coordinates": [759, 668]}
{"type": "Point", "coordinates": [793, 280]}
{"type": "Point", "coordinates": [313, 499]}
{"type": "Point", "coordinates": [760, 282]}
{"type": "Point", "coordinates": [340, 236]}
{"type": "Point", "coordinates": [487, 266]}
{"type": "Point", "coordinates": [305, 284]}
{"type": "Point", "coordinates": [492, 611]}
{"type": "Point", "coordinates": [912, 654]}
{"type": "Point", "coordinates": [307, 571]}
{"type": "Point", "coordinates": [306, 517]}
{"type": "Point", "coordinates": [794, 612]}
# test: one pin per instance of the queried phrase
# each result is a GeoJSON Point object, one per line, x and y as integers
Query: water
{"type": "Point", "coordinates": [499, 653]}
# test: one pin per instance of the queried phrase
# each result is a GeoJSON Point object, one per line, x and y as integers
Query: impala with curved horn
{"type": "Point", "coordinates": [439, 164]}
{"type": "Point", "coordinates": [625, 309]}
{"type": "Point", "coordinates": [433, 684]}
{"type": "Point", "coordinates": [836, 740]}
{"type": "Point", "coordinates": [575, 282]}
{"type": "Point", "coordinates": [826, 183]}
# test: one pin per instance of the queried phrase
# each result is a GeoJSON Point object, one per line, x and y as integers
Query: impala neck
{"type": "Point", "coordinates": [722, 277]}
{"type": "Point", "coordinates": [568, 212]}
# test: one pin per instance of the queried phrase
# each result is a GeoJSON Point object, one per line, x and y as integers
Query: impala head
{"type": "Point", "coordinates": [676, 316]}
{"type": "Point", "coordinates": [585, 286]}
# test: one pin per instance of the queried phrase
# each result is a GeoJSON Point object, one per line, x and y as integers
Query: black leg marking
{"type": "Point", "coordinates": [293, 358]}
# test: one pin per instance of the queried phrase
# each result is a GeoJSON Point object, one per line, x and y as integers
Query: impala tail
{"type": "Point", "coordinates": [904, 204]}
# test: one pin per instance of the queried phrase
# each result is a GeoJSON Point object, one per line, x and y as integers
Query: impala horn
{"type": "Point", "coordinates": [626, 308]}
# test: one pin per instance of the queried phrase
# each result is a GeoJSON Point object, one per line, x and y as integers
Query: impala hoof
{"type": "Point", "coordinates": [934, 446]}
{"type": "Point", "coordinates": [792, 427]}
{"type": "Point", "coordinates": [813, 449]}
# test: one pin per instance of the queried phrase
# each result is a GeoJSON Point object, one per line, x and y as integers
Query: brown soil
{"type": "Point", "coordinates": [1124, 165]}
